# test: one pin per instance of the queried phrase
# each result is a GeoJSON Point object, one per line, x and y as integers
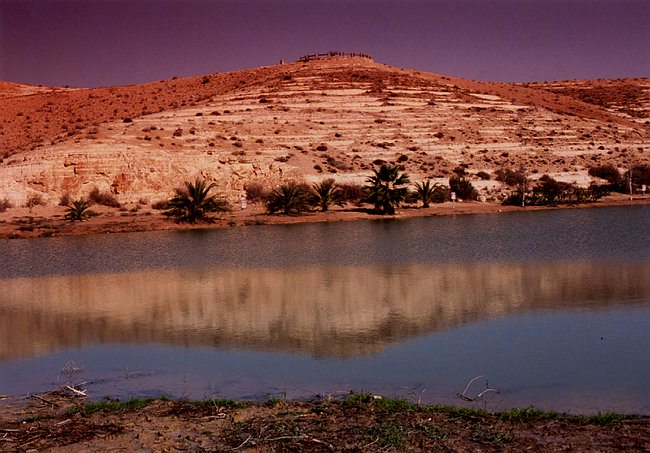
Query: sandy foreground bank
{"type": "Point", "coordinates": [61, 421]}
{"type": "Point", "coordinates": [46, 221]}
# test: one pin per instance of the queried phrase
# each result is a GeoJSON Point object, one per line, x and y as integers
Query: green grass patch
{"type": "Point", "coordinates": [386, 434]}
{"type": "Point", "coordinates": [274, 401]}
{"type": "Point", "coordinates": [458, 412]}
{"type": "Point", "coordinates": [399, 404]}
{"type": "Point", "coordinates": [430, 430]}
{"type": "Point", "coordinates": [113, 406]}
{"type": "Point", "coordinates": [526, 415]}
{"type": "Point", "coordinates": [606, 418]}
{"type": "Point", "coordinates": [221, 403]}
{"type": "Point", "coordinates": [481, 435]}
{"type": "Point", "coordinates": [357, 399]}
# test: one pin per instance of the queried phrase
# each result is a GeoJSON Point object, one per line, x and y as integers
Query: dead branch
{"type": "Point", "coordinates": [77, 392]}
{"type": "Point", "coordinates": [43, 399]}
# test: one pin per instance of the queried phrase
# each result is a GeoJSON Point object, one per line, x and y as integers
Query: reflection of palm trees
{"type": "Point", "coordinates": [322, 311]}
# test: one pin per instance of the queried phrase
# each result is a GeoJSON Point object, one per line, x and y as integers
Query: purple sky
{"type": "Point", "coordinates": [114, 42]}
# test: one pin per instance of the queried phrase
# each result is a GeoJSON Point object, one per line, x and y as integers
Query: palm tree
{"type": "Point", "coordinates": [290, 198]}
{"type": "Point", "coordinates": [426, 192]}
{"type": "Point", "coordinates": [327, 193]}
{"type": "Point", "coordinates": [192, 202]}
{"type": "Point", "coordinates": [387, 188]}
{"type": "Point", "coordinates": [78, 210]}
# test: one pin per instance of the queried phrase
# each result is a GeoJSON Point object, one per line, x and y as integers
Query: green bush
{"type": "Point", "coordinates": [463, 188]}
{"type": "Point", "coordinates": [510, 177]}
{"type": "Point", "coordinates": [607, 172]}
{"type": "Point", "coordinates": [640, 175]}
{"type": "Point", "coordinates": [290, 199]}
{"type": "Point", "coordinates": [549, 192]}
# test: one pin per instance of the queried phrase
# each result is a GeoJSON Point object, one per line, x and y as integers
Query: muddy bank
{"type": "Point", "coordinates": [61, 421]}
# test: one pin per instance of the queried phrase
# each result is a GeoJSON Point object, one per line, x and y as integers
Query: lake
{"type": "Point", "coordinates": [551, 308]}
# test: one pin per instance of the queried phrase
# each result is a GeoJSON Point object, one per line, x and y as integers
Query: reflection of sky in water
{"type": "Point", "coordinates": [551, 360]}
{"type": "Point", "coordinates": [386, 306]}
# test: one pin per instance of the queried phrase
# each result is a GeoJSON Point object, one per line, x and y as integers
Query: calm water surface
{"type": "Point", "coordinates": [553, 308]}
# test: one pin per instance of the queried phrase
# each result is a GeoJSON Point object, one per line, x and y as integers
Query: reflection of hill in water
{"type": "Point", "coordinates": [324, 311]}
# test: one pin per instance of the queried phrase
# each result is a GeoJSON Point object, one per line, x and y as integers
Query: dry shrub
{"type": "Point", "coordinates": [5, 204]}
{"type": "Point", "coordinates": [256, 192]}
{"type": "Point", "coordinates": [65, 199]}
{"type": "Point", "coordinates": [161, 205]}
{"type": "Point", "coordinates": [34, 200]}
{"type": "Point", "coordinates": [103, 198]}
{"type": "Point", "coordinates": [352, 193]}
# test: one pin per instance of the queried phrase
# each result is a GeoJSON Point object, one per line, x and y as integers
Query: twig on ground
{"type": "Point", "coordinates": [371, 443]}
{"type": "Point", "coordinates": [305, 437]}
{"type": "Point", "coordinates": [45, 400]}
{"type": "Point", "coordinates": [243, 443]}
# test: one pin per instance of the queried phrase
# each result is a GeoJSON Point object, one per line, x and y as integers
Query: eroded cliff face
{"type": "Point", "coordinates": [321, 311]}
{"type": "Point", "coordinates": [331, 117]}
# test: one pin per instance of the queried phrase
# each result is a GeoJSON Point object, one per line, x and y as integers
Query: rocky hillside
{"type": "Point", "coordinates": [335, 116]}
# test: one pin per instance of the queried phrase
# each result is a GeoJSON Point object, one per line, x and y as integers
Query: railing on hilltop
{"type": "Point", "coordinates": [313, 56]}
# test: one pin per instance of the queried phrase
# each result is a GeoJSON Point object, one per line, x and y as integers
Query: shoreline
{"type": "Point", "coordinates": [63, 420]}
{"type": "Point", "coordinates": [22, 223]}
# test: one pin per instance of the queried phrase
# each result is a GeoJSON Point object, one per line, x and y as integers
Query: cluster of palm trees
{"type": "Point", "coordinates": [294, 198]}
{"type": "Point", "coordinates": [386, 190]}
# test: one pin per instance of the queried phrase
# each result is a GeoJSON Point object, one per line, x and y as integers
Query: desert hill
{"type": "Point", "coordinates": [333, 116]}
